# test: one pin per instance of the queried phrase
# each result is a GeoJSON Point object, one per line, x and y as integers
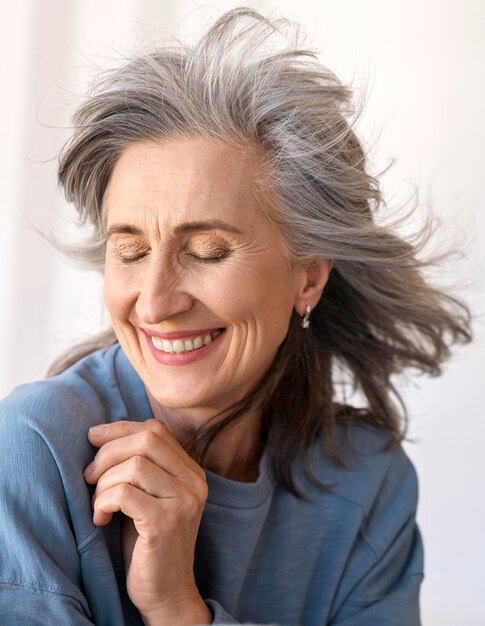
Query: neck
{"type": "Point", "coordinates": [235, 454]}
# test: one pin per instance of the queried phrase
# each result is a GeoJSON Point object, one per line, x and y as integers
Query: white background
{"type": "Point", "coordinates": [421, 63]}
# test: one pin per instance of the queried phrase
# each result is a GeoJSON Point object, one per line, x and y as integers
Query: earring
{"type": "Point", "coordinates": [305, 322]}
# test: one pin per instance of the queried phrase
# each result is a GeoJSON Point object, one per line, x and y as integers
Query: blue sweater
{"type": "Point", "coordinates": [350, 556]}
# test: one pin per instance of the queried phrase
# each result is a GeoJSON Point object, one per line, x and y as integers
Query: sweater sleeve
{"type": "Point", "coordinates": [40, 578]}
{"type": "Point", "coordinates": [220, 615]}
{"type": "Point", "coordinates": [385, 575]}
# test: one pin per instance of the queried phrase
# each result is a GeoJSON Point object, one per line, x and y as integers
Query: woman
{"type": "Point", "coordinates": [191, 466]}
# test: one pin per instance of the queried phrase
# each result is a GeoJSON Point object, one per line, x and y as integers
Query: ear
{"type": "Point", "coordinates": [313, 278]}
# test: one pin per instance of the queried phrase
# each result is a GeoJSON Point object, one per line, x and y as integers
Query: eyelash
{"type": "Point", "coordinates": [220, 256]}
{"type": "Point", "coordinates": [127, 260]}
{"type": "Point", "coordinates": [130, 260]}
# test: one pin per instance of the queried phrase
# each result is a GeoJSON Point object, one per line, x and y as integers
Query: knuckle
{"type": "Point", "coordinates": [121, 426]}
{"type": "Point", "coordinates": [106, 450]}
{"type": "Point", "coordinates": [149, 439]}
{"type": "Point", "coordinates": [192, 504]}
{"type": "Point", "coordinates": [158, 427]}
{"type": "Point", "coordinates": [123, 491]}
{"type": "Point", "coordinates": [138, 464]}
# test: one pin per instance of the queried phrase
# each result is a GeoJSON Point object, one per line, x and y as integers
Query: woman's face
{"type": "Point", "coordinates": [196, 281]}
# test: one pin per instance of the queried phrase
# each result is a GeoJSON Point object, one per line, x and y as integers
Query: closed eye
{"type": "Point", "coordinates": [209, 258]}
{"type": "Point", "coordinates": [129, 260]}
{"type": "Point", "coordinates": [129, 253]}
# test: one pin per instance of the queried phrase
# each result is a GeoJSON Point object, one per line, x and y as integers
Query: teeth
{"type": "Point", "coordinates": [178, 346]}
{"type": "Point", "coordinates": [158, 343]}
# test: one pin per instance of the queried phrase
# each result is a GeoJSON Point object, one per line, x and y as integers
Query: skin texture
{"type": "Point", "coordinates": [141, 470]}
{"type": "Point", "coordinates": [160, 279]}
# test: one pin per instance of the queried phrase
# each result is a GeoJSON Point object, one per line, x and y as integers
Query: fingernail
{"type": "Point", "coordinates": [98, 430]}
{"type": "Point", "coordinates": [88, 471]}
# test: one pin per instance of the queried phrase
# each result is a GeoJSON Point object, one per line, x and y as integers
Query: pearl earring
{"type": "Point", "coordinates": [305, 322]}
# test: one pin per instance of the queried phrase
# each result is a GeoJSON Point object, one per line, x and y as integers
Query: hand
{"type": "Point", "coordinates": [142, 470]}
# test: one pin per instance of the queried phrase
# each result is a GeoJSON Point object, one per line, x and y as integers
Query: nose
{"type": "Point", "coordinates": [162, 294]}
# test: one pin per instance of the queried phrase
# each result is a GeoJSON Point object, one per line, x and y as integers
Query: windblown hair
{"type": "Point", "coordinates": [378, 314]}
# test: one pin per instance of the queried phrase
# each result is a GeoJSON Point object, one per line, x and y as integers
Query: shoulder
{"type": "Point", "coordinates": [377, 478]}
{"type": "Point", "coordinates": [372, 464]}
{"type": "Point", "coordinates": [377, 489]}
{"type": "Point", "coordinates": [44, 446]}
{"type": "Point", "coordinates": [44, 499]}
{"type": "Point", "coordinates": [369, 510]}
{"type": "Point", "coordinates": [57, 412]}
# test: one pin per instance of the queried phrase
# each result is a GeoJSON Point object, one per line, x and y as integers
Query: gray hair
{"type": "Point", "coordinates": [378, 315]}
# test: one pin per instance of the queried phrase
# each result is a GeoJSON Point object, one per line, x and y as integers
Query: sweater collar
{"type": "Point", "coordinates": [231, 493]}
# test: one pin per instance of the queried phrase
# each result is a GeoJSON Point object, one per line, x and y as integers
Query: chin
{"type": "Point", "coordinates": [177, 399]}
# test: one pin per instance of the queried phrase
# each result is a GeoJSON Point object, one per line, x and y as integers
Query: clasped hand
{"type": "Point", "coordinates": [142, 470]}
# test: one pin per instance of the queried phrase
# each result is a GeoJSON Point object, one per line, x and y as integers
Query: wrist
{"type": "Point", "coordinates": [189, 613]}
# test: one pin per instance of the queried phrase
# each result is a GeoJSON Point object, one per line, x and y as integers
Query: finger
{"type": "Point", "coordinates": [146, 510]}
{"type": "Point", "coordinates": [142, 474]}
{"type": "Point", "coordinates": [145, 443]}
{"type": "Point", "coordinates": [101, 434]}
{"type": "Point", "coordinates": [142, 508]}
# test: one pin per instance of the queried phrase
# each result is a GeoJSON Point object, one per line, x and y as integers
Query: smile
{"type": "Point", "coordinates": [179, 346]}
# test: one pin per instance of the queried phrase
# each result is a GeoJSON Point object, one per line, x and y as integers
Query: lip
{"type": "Point", "coordinates": [179, 334]}
{"type": "Point", "coordinates": [183, 358]}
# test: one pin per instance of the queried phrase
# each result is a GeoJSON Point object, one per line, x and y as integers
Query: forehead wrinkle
{"type": "Point", "coordinates": [185, 203]}
{"type": "Point", "coordinates": [214, 186]}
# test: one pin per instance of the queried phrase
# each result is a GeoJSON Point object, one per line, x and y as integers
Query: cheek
{"type": "Point", "coordinates": [116, 294]}
{"type": "Point", "coordinates": [262, 301]}
{"type": "Point", "coordinates": [229, 295]}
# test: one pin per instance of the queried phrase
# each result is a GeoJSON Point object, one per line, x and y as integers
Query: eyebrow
{"type": "Point", "coordinates": [182, 229]}
{"type": "Point", "coordinates": [190, 227]}
{"type": "Point", "coordinates": [123, 229]}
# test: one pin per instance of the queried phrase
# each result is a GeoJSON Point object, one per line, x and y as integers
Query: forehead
{"type": "Point", "coordinates": [182, 178]}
